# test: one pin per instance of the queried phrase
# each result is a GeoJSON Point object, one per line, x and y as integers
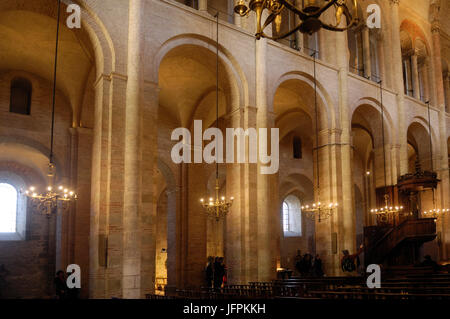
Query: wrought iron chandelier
{"type": "Point", "coordinates": [388, 210]}
{"type": "Point", "coordinates": [47, 202]}
{"type": "Point", "coordinates": [308, 11]}
{"type": "Point", "coordinates": [318, 210]}
{"type": "Point", "coordinates": [217, 207]}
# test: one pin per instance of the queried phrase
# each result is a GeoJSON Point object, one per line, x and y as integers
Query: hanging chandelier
{"type": "Point", "coordinates": [217, 207]}
{"type": "Point", "coordinates": [384, 213]}
{"type": "Point", "coordinates": [318, 210]}
{"type": "Point", "coordinates": [308, 11]}
{"type": "Point", "coordinates": [46, 202]}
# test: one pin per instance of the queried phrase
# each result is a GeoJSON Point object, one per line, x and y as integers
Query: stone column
{"type": "Point", "coordinates": [430, 79]}
{"type": "Point", "coordinates": [381, 60]}
{"type": "Point", "coordinates": [237, 17]}
{"type": "Point", "coordinates": [399, 86]}
{"type": "Point", "coordinates": [415, 76]}
{"type": "Point", "coordinates": [346, 222]}
{"type": "Point", "coordinates": [147, 156]}
{"type": "Point", "coordinates": [426, 84]}
{"type": "Point", "coordinates": [131, 280]}
{"type": "Point", "coordinates": [444, 169]}
{"type": "Point", "coordinates": [106, 237]}
{"type": "Point", "coordinates": [366, 46]}
{"type": "Point", "coordinates": [234, 235]}
{"type": "Point", "coordinates": [266, 260]}
{"type": "Point", "coordinates": [447, 92]}
{"type": "Point", "coordinates": [203, 5]}
{"type": "Point", "coordinates": [298, 34]}
{"type": "Point", "coordinates": [81, 218]}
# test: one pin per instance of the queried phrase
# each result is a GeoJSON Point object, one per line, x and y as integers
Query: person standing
{"type": "Point", "coordinates": [209, 272]}
{"type": "Point", "coordinates": [60, 285]}
{"type": "Point", "coordinates": [218, 273]}
{"type": "Point", "coordinates": [318, 266]}
{"type": "Point", "coordinates": [348, 262]}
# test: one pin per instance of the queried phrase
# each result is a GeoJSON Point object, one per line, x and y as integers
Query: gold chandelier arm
{"type": "Point", "coordinates": [304, 15]}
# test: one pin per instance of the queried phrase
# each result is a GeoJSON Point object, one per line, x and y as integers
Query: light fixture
{"type": "Point", "coordinates": [217, 207]}
{"type": "Point", "coordinates": [435, 212]}
{"type": "Point", "coordinates": [308, 11]}
{"type": "Point", "coordinates": [387, 211]}
{"type": "Point", "coordinates": [318, 210]}
{"type": "Point", "coordinates": [47, 201]}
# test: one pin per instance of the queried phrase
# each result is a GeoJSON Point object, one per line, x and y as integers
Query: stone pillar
{"type": "Point", "coordinates": [366, 47]}
{"type": "Point", "coordinates": [381, 59]}
{"type": "Point", "coordinates": [430, 78]}
{"type": "Point", "coordinates": [131, 280]}
{"type": "Point", "coordinates": [81, 217]}
{"type": "Point", "coordinates": [237, 17]}
{"type": "Point", "coordinates": [298, 34]}
{"type": "Point", "coordinates": [266, 260]}
{"type": "Point", "coordinates": [399, 86]}
{"type": "Point", "coordinates": [106, 237]}
{"type": "Point", "coordinates": [426, 84]}
{"type": "Point", "coordinates": [415, 76]}
{"type": "Point", "coordinates": [234, 235]}
{"type": "Point", "coordinates": [203, 5]}
{"type": "Point", "coordinates": [147, 155]}
{"type": "Point", "coordinates": [346, 221]}
{"type": "Point", "coordinates": [444, 169]}
{"type": "Point", "coordinates": [447, 92]}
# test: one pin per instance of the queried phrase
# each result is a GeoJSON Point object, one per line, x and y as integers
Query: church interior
{"type": "Point", "coordinates": [362, 152]}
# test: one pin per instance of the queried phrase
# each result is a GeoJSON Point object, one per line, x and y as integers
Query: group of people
{"type": "Point", "coordinates": [61, 289]}
{"type": "Point", "coordinates": [216, 272]}
{"type": "Point", "coordinates": [307, 266]}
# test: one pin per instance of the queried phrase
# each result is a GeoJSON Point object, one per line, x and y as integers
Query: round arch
{"type": "Point", "coordinates": [93, 37]}
{"type": "Point", "coordinates": [325, 105]}
{"type": "Point", "coordinates": [375, 106]}
{"type": "Point", "coordinates": [238, 81]}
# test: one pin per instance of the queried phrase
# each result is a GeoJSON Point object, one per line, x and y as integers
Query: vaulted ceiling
{"type": "Point", "coordinates": [28, 44]}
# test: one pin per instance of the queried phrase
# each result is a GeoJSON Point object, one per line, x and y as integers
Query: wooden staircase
{"type": "Point", "coordinates": [384, 243]}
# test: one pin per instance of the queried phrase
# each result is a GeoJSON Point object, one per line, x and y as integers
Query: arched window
{"type": "Point", "coordinates": [8, 208]}
{"type": "Point", "coordinates": [20, 101]}
{"type": "Point", "coordinates": [297, 147]}
{"type": "Point", "coordinates": [13, 207]}
{"type": "Point", "coordinates": [292, 217]}
{"type": "Point", "coordinates": [285, 216]}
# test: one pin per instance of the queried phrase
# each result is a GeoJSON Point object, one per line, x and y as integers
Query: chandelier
{"type": "Point", "coordinates": [308, 12]}
{"type": "Point", "coordinates": [435, 213]}
{"type": "Point", "coordinates": [47, 201]}
{"type": "Point", "coordinates": [318, 210]}
{"type": "Point", "coordinates": [217, 207]}
{"type": "Point", "coordinates": [388, 210]}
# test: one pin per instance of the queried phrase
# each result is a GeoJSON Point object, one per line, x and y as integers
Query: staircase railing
{"type": "Point", "coordinates": [421, 229]}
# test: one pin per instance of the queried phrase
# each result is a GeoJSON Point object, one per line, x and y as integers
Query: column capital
{"type": "Point", "coordinates": [394, 2]}
{"type": "Point", "coordinates": [435, 27]}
